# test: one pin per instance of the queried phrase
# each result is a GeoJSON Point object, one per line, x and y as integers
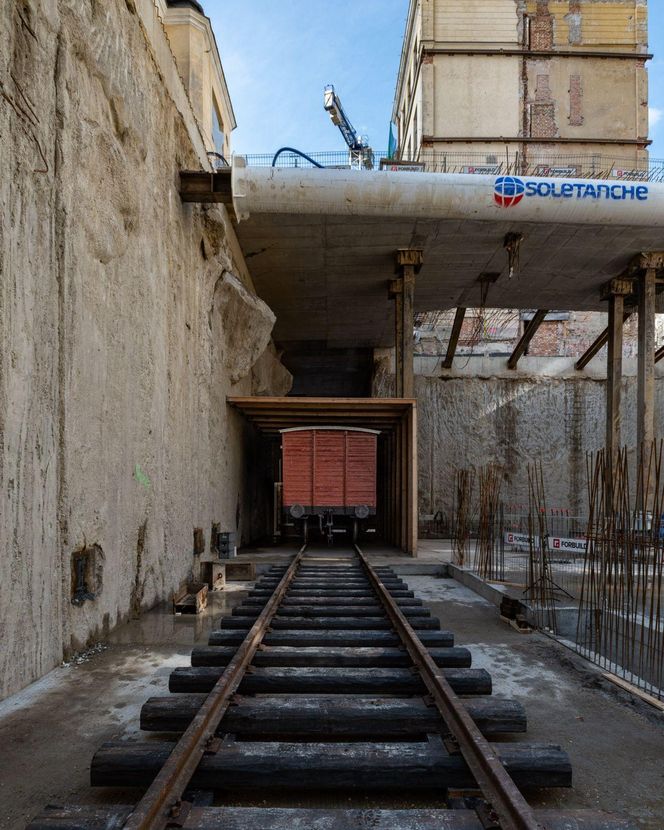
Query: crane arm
{"type": "Point", "coordinates": [340, 119]}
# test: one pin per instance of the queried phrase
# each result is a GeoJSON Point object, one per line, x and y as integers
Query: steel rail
{"type": "Point", "coordinates": [505, 800]}
{"type": "Point", "coordinates": [161, 802]}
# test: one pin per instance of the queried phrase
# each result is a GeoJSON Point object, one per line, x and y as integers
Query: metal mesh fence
{"type": "Point", "coordinates": [589, 166]}
{"type": "Point", "coordinates": [595, 581]}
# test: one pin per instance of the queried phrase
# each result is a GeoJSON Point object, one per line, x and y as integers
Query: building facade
{"type": "Point", "coordinates": [542, 86]}
{"type": "Point", "coordinates": [194, 48]}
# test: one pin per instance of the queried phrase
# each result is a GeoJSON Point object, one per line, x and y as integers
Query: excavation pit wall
{"type": "Point", "coordinates": [481, 413]}
{"type": "Point", "coordinates": [126, 319]}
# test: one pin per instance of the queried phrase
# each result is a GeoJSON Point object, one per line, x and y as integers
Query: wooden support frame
{"type": "Point", "coordinates": [396, 418]}
{"type": "Point", "coordinates": [659, 354]}
{"type": "Point", "coordinates": [459, 317]}
{"type": "Point", "coordinates": [597, 345]}
{"type": "Point", "coordinates": [528, 334]}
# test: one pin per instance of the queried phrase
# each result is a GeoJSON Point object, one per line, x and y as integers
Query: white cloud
{"type": "Point", "coordinates": [655, 116]}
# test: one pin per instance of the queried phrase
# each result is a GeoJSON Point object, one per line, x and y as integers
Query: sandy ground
{"type": "Point", "coordinates": [51, 730]}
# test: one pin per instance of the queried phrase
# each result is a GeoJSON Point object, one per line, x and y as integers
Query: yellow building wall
{"type": "Point", "coordinates": [475, 95]}
{"type": "Point", "coordinates": [610, 106]}
{"type": "Point", "coordinates": [611, 25]}
{"type": "Point", "coordinates": [476, 21]}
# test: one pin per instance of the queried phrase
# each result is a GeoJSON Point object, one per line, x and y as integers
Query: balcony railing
{"type": "Point", "coordinates": [591, 166]}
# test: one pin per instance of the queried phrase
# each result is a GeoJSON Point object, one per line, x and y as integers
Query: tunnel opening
{"type": "Point", "coordinates": [393, 521]}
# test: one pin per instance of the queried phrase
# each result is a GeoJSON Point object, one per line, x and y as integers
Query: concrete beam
{"type": "Point", "coordinates": [526, 337]}
{"type": "Point", "coordinates": [597, 345]}
{"type": "Point", "coordinates": [645, 413]}
{"type": "Point", "coordinates": [454, 337]}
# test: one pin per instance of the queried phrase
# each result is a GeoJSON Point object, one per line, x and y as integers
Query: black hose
{"type": "Point", "coordinates": [297, 153]}
{"type": "Point", "coordinates": [219, 156]}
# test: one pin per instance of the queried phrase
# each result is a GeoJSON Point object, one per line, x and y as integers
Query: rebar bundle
{"type": "Point", "coordinates": [463, 503]}
{"type": "Point", "coordinates": [620, 624]}
{"type": "Point", "coordinates": [489, 552]}
{"type": "Point", "coordinates": [541, 589]}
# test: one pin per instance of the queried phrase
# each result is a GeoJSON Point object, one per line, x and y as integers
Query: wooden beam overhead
{"type": "Point", "coordinates": [528, 334]}
{"type": "Point", "coordinates": [659, 354]}
{"type": "Point", "coordinates": [454, 337]}
{"type": "Point", "coordinates": [597, 345]}
{"type": "Point", "coordinates": [273, 414]}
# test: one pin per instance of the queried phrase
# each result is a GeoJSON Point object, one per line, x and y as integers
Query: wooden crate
{"type": "Point", "coordinates": [214, 574]}
{"type": "Point", "coordinates": [240, 571]}
{"type": "Point", "coordinates": [190, 598]}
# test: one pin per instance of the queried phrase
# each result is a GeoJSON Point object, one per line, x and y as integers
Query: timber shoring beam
{"type": "Point", "coordinates": [597, 345]}
{"type": "Point", "coordinates": [454, 337]}
{"type": "Point", "coordinates": [526, 337]}
{"type": "Point", "coordinates": [659, 354]}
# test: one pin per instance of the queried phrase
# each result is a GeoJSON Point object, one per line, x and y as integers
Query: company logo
{"type": "Point", "coordinates": [556, 543]}
{"type": "Point", "coordinates": [509, 191]}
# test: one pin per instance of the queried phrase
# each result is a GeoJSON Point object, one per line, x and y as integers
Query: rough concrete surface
{"type": "Point", "coordinates": [125, 320]}
{"type": "Point", "coordinates": [469, 422]}
{"type": "Point", "coordinates": [52, 729]}
{"type": "Point", "coordinates": [615, 741]}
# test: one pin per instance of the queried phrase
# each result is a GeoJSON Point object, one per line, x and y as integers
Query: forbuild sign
{"type": "Point", "coordinates": [571, 545]}
{"type": "Point", "coordinates": [510, 190]}
{"type": "Point", "coordinates": [522, 541]}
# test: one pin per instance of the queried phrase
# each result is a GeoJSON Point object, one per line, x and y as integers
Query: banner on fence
{"type": "Point", "coordinates": [522, 541]}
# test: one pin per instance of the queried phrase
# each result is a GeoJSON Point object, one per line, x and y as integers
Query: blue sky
{"type": "Point", "coordinates": [279, 54]}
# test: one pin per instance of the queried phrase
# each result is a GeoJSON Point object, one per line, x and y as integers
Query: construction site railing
{"type": "Point", "coordinates": [587, 166]}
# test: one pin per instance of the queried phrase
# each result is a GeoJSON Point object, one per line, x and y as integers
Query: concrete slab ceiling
{"type": "Point", "coordinates": [321, 243]}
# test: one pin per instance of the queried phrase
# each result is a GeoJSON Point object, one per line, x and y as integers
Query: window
{"type": "Point", "coordinates": [218, 135]}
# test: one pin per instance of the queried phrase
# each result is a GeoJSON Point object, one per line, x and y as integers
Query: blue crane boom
{"type": "Point", "coordinates": [360, 152]}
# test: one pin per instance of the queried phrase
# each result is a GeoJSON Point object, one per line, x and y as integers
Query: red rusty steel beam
{"type": "Point", "coordinates": [162, 800]}
{"type": "Point", "coordinates": [597, 345]}
{"type": "Point", "coordinates": [513, 811]}
{"type": "Point", "coordinates": [528, 334]}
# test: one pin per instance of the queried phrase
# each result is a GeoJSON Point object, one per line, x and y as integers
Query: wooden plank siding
{"type": "Point", "coordinates": [329, 468]}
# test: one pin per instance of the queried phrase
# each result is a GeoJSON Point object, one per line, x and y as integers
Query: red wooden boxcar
{"type": "Point", "coordinates": [329, 473]}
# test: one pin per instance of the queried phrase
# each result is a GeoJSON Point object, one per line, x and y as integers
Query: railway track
{"type": "Point", "coordinates": [330, 683]}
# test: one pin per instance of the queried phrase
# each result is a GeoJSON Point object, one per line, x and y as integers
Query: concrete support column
{"type": "Point", "coordinates": [615, 293]}
{"type": "Point", "coordinates": [402, 291]}
{"type": "Point", "coordinates": [396, 292]}
{"type": "Point", "coordinates": [645, 411]}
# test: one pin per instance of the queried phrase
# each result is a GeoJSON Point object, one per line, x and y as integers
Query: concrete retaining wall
{"type": "Point", "coordinates": [481, 413]}
{"type": "Point", "coordinates": [125, 320]}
